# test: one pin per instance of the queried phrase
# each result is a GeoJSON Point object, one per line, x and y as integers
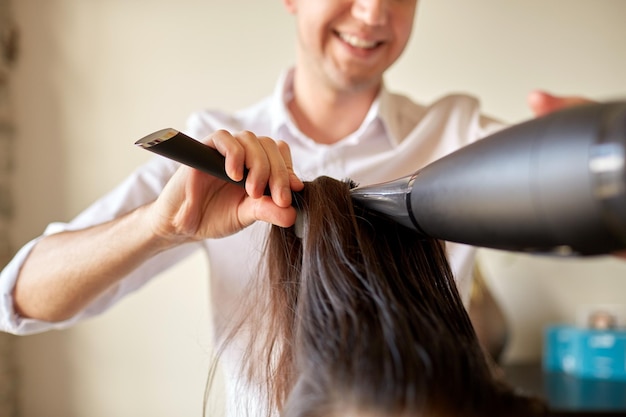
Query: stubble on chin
{"type": "Point", "coordinates": [342, 78]}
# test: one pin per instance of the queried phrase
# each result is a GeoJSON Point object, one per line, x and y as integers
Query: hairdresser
{"type": "Point", "coordinates": [335, 117]}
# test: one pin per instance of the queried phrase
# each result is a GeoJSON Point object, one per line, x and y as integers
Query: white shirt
{"type": "Point", "coordinates": [396, 138]}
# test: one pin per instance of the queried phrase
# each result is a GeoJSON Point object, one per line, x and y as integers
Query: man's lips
{"type": "Point", "coordinates": [358, 42]}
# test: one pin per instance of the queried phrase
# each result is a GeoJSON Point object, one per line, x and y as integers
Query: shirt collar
{"type": "Point", "coordinates": [381, 112]}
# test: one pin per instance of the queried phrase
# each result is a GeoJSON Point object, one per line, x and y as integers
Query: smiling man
{"type": "Point", "coordinates": [343, 50]}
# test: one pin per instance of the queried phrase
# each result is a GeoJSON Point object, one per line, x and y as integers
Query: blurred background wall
{"type": "Point", "coordinates": [8, 401]}
{"type": "Point", "coordinates": [93, 76]}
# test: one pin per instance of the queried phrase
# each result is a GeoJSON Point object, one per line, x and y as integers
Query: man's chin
{"type": "Point", "coordinates": [356, 82]}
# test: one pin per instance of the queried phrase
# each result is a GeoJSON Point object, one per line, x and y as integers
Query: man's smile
{"type": "Point", "coordinates": [358, 42]}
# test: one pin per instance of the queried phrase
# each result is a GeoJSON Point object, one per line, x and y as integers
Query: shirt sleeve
{"type": "Point", "coordinates": [141, 187]}
{"type": "Point", "coordinates": [486, 125]}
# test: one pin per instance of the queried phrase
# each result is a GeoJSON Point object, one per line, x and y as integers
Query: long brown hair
{"type": "Point", "coordinates": [363, 314]}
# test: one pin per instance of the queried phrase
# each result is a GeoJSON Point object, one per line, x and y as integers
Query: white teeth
{"type": "Point", "coordinates": [357, 42]}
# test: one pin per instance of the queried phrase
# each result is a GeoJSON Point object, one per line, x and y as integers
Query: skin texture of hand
{"type": "Point", "coordinates": [195, 205]}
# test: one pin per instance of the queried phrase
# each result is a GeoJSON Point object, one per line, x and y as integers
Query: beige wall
{"type": "Point", "coordinates": [96, 75]}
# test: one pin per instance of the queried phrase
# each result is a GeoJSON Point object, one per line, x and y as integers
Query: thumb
{"type": "Point", "coordinates": [264, 209]}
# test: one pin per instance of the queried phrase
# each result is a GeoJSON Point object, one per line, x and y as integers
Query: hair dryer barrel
{"type": "Point", "coordinates": [549, 184]}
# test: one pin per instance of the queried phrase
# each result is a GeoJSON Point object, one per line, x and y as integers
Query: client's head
{"type": "Point", "coordinates": [364, 319]}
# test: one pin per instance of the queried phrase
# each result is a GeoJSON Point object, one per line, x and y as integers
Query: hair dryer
{"type": "Point", "coordinates": [555, 184]}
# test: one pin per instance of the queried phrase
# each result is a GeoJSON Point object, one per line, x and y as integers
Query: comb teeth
{"type": "Point", "coordinates": [298, 226]}
{"type": "Point", "coordinates": [297, 202]}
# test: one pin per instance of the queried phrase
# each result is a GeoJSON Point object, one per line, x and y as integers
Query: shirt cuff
{"type": "Point", "coordinates": [10, 321]}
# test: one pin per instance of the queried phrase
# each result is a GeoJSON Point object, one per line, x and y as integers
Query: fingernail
{"type": "Point", "coordinates": [237, 174]}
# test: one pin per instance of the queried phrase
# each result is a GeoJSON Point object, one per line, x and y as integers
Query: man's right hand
{"type": "Point", "coordinates": [192, 206]}
{"type": "Point", "coordinates": [196, 206]}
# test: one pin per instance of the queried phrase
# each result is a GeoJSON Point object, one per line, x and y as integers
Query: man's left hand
{"type": "Point", "coordinates": [542, 102]}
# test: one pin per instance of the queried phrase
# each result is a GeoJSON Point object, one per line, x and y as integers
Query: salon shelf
{"type": "Point", "coordinates": [568, 395]}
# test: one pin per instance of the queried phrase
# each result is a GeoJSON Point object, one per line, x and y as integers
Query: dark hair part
{"type": "Point", "coordinates": [362, 314]}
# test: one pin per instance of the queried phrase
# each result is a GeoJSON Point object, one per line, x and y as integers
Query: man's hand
{"type": "Point", "coordinates": [195, 205]}
{"type": "Point", "coordinates": [192, 206]}
{"type": "Point", "coordinates": [542, 103]}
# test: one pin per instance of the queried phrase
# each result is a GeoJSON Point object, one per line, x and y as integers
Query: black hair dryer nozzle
{"type": "Point", "coordinates": [555, 184]}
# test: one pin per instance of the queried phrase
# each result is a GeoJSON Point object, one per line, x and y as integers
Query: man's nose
{"type": "Point", "coordinates": [370, 12]}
